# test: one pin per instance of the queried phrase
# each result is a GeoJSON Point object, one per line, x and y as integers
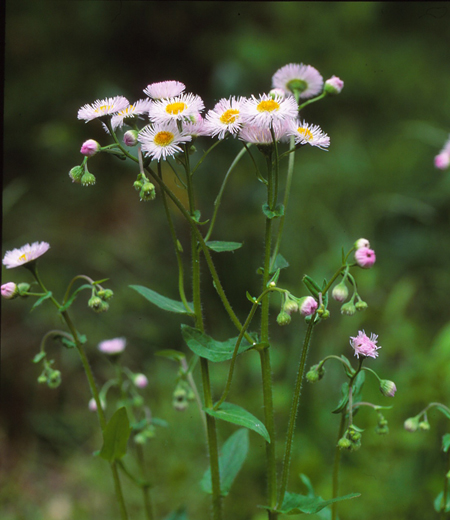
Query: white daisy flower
{"type": "Point", "coordinates": [176, 108]}
{"type": "Point", "coordinates": [303, 78]}
{"type": "Point", "coordinates": [112, 346]}
{"type": "Point", "coordinates": [102, 107]}
{"type": "Point", "coordinates": [306, 133]}
{"type": "Point", "coordinates": [258, 135]}
{"type": "Point", "coordinates": [164, 89]}
{"type": "Point", "coordinates": [136, 109]}
{"type": "Point", "coordinates": [160, 141]}
{"type": "Point", "coordinates": [225, 117]}
{"type": "Point", "coordinates": [25, 254]}
{"type": "Point", "coordinates": [266, 110]}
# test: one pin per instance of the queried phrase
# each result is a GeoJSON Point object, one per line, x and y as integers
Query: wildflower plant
{"type": "Point", "coordinates": [165, 127]}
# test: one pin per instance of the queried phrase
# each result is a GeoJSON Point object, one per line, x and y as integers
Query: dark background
{"type": "Point", "coordinates": [377, 181]}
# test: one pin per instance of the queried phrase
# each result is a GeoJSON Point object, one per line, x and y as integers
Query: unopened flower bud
{"type": "Point", "coordinates": [361, 242]}
{"type": "Point", "coordinates": [411, 424]}
{"type": "Point", "coordinates": [361, 306]}
{"type": "Point", "coordinates": [315, 373]}
{"type": "Point", "coordinates": [76, 173]}
{"type": "Point", "coordinates": [95, 303]}
{"type": "Point", "coordinates": [283, 318]}
{"type": "Point", "coordinates": [10, 290]}
{"type": "Point", "coordinates": [90, 148]}
{"type": "Point", "coordinates": [365, 257]}
{"type": "Point", "coordinates": [290, 306]}
{"type": "Point", "coordinates": [334, 85]}
{"type": "Point", "coordinates": [424, 425]}
{"type": "Point", "coordinates": [344, 444]}
{"type": "Point", "coordinates": [140, 381]}
{"type": "Point", "coordinates": [382, 426]}
{"type": "Point", "coordinates": [88, 179]}
{"type": "Point", "coordinates": [105, 294]}
{"type": "Point", "coordinates": [348, 309]}
{"type": "Point", "coordinates": [147, 192]}
{"type": "Point", "coordinates": [54, 379]}
{"type": "Point", "coordinates": [179, 400]}
{"type": "Point", "coordinates": [92, 405]}
{"type": "Point", "coordinates": [387, 388]}
{"type": "Point", "coordinates": [130, 138]}
{"type": "Point", "coordinates": [340, 292]}
{"type": "Point", "coordinates": [308, 306]}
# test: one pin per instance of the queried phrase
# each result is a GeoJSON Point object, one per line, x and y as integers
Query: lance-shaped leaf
{"type": "Point", "coordinates": [294, 504]}
{"type": "Point", "coordinates": [42, 299]}
{"type": "Point", "coordinates": [115, 436]}
{"type": "Point", "coordinates": [280, 263]}
{"type": "Point", "coordinates": [73, 296]}
{"type": "Point", "coordinates": [446, 442]}
{"type": "Point", "coordinates": [161, 301]}
{"type": "Point", "coordinates": [235, 414]}
{"type": "Point", "coordinates": [444, 410]}
{"type": "Point", "coordinates": [344, 399]}
{"type": "Point", "coordinates": [219, 247]}
{"type": "Point", "coordinates": [207, 347]}
{"type": "Point", "coordinates": [234, 452]}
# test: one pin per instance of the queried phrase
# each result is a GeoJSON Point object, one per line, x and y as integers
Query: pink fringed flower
{"type": "Point", "coordinates": [130, 112]}
{"type": "Point", "coordinates": [442, 160]}
{"type": "Point", "coordinates": [162, 140]}
{"type": "Point", "coordinates": [364, 345]}
{"type": "Point", "coordinates": [112, 346]}
{"type": "Point", "coordinates": [305, 133]}
{"type": "Point", "coordinates": [164, 89]}
{"type": "Point", "coordinates": [365, 257]}
{"type": "Point", "coordinates": [25, 254]}
{"type": "Point", "coordinates": [267, 110]}
{"type": "Point", "coordinates": [308, 306]}
{"type": "Point", "coordinates": [102, 107]}
{"type": "Point", "coordinates": [224, 118]}
{"type": "Point", "coordinates": [298, 77]}
{"type": "Point", "coordinates": [257, 135]}
{"type": "Point", "coordinates": [177, 108]}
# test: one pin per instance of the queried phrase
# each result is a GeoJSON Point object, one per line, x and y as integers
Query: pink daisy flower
{"type": "Point", "coordinates": [175, 108]}
{"type": "Point", "coordinates": [112, 346]}
{"type": "Point", "coordinates": [298, 77]}
{"type": "Point", "coordinates": [164, 89]}
{"type": "Point", "coordinates": [225, 117]}
{"type": "Point", "coordinates": [102, 107]}
{"type": "Point", "coordinates": [364, 345]}
{"type": "Point", "coordinates": [257, 135]}
{"type": "Point", "coordinates": [25, 254]}
{"type": "Point", "coordinates": [365, 257]}
{"type": "Point", "coordinates": [266, 110]}
{"type": "Point", "coordinates": [305, 133]}
{"type": "Point", "coordinates": [161, 141]}
{"type": "Point", "coordinates": [130, 112]}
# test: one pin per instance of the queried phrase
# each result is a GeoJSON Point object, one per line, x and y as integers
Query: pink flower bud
{"type": "Point", "coordinates": [387, 388]}
{"type": "Point", "coordinates": [140, 380]}
{"type": "Point", "coordinates": [9, 290]}
{"type": "Point", "coordinates": [361, 242]}
{"type": "Point", "coordinates": [130, 138]}
{"type": "Point", "coordinates": [334, 85]}
{"type": "Point", "coordinates": [365, 257]}
{"type": "Point", "coordinates": [308, 306]}
{"type": "Point", "coordinates": [92, 405]}
{"type": "Point", "coordinates": [90, 147]}
{"type": "Point", "coordinates": [442, 161]}
{"type": "Point", "coordinates": [112, 346]}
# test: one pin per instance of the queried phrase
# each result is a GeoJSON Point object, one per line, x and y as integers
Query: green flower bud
{"type": "Point", "coordinates": [88, 179]}
{"type": "Point", "coordinates": [361, 306]}
{"type": "Point", "coordinates": [424, 425]}
{"type": "Point", "coordinates": [290, 306]}
{"type": "Point", "coordinates": [382, 426]}
{"type": "Point", "coordinates": [344, 444]}
{"type": "Point", "coordinates": [411, 424]}
{"type": "Point", "coordinates": [105, 294]}
{"type": "Point", "coordinates": [138, 185]}
{"type": "Point", "coordinates": [387, 388]}
{"type": "Point", "coordinates": [283, 318]}
{"type": "Point", "coordinates": [147, 192]}
{"type": "Point", "coordinates": [54, 379]}
{"type": "Point", "coordinates": [340, 292]}
{"type": "Point", "coordinates": [348, 308]}
{"type": "Point", "coordinates": [95, 303]}
{"type": "Point", "coordinates": [76, 173]}
{"type": "Point", "coordinates": [23, 288]}
{"type": "Point", "coordinates": [315, 373]}
{"type": "Point", "coordinates": [179, 400]}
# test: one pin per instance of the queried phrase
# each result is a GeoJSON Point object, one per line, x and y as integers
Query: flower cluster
{"type": "Point", "coordinates": [175, 118]}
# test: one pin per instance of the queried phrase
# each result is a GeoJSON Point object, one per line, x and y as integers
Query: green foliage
{"type": "Point", "coordinates": [220, 246]}
{"type": "Point", "coordinates": [41, 300]}
{"type": "Point", "coordinates": [161, 301]}
{"type": "Point", "coordinates": [115, 436]}
{"type": "Point", "coordinates": [295, 504]}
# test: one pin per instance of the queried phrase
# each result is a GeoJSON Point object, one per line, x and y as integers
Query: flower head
{"type": "Point", "coordinates": [90, 148]}
{"type": "Point", "coordinates": [257, 135]}
{"type": "Point", "coordinates": [298, 77]}
{"type": "Point", "coordinates": [130, 112]}
{"type": "Point", "coordinates": [387, 388]}
{"type": "Point", "coordinates": [365, 257]}
{"type": "Point", "coordinates": [364, 345]}
{"type": "Point", "coordinates": [9, 290]}
{"type": "Point", "coordinates": [102, 107]}
{"type": "Point", "coordinates": [161, 141]}
{"type": "Point", "coordinates": [112, 346]}
{"type": "Point", "coordinates": [306, 133]}
{"type": "Point", "coordinates": [164, 89]}
{"type": "Point", "coordinates": [225, 117]}
{"type": "Point", "coordinates": [308, 306]}
{"type": "Point", "coordinates": [175, 108]}
{"type": "Point", "coordinates": [442, 160]}
{"type": "Point", "coordinates": [267, 110]}
{"type": "Point", "coordinates": [140, 380]}
{"type": "Point", "coordinates": [334, 85]}
{"type": "Point", "coordinates": [25, 254]}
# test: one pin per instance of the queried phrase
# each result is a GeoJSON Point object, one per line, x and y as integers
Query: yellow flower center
{"type": "Point", "coordinates": [267, 106]}
{"type": "Point", "coordinates": [128, 110]}
{"type": "Point", "coordinates": [229, 116]}
{"type": "Point", "coordinates": [163, 138]}
{"type": "Point", "coordinates": [307, 135]}
{"type": "Point", "coordinates": [175, 108]}
{"type": "Point", "coordinates": [103, 108]}
{"type": "Point", "coordinates": [22, 258]}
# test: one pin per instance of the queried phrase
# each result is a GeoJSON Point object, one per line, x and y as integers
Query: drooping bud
{"type": "Point", "coordinates": [90, 148]}
{"type": "Point", "coordinates": [308, 306]}
{"type": "Point", "coordinates": [333, 86]}
{"type": "Point", "coordinates": [424, 425]}
{"type": "Point", "coordinates": [387, 388]}
{"type": "Point", "coordinates": [290, 306]}
{"type": "Point", "coordinates": [348, 308]}
{"type": "Point", "coordinates": [315, 373]}
{"type": "Point", "coordinates": [411, 424]}
{"type": "Point", "coordinates": [130, 138]}
{"type": "Point", "coordinates": [283, 318]}
{"type": "Point", "coordinates": [92, 405]}
{"type": "Point", "coordinates": [88, 179]}
{"type": "Point", "coordinates": [340, 292]}
{"type": "Point", "coordinates": [95, 303]}
{"type": "Point", "coordinates": [361, 306]}
{"type": "Point", "coordinates": [365, 257]}
{"type": "Point", "coordinates": [9, 291]}
{"type": "Point", "coordinates": [76, 173]}
{"type": "Point", "coordinates": [361, 242]}
{"type": "Point", "coordinates": [179, 399]}
{"type": "Point", "coordinates": [147, 192]}
{"type": "Point", "coordinates": [382, 427]}
{"type": "Point", "coordinates": [105, 294]}
{"type": "Point", "coordinates": [140, 380]}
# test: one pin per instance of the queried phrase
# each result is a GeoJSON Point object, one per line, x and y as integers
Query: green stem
{"type": "Point", "coordinates": [313, 100]}
{"type": "Point", "coordinates": [446, 487]}
{"type": "Point", "coordinates": [293, 412]}
{"type": "Point", "coordinates": [144, 486]}
{"type": "Point", "coordinates": [337, 459]}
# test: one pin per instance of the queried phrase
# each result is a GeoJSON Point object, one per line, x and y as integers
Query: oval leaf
{"type": "Point", "coordinates": [235, 414]}
{"type": "Point", "coordinates": [161, 301]}
{"type": "Point", "coordinates": [115, 436]}
{"type": "Point", "coordinates": [294, 504]}
{"type": "Point", "coordinates": [208, 348]}
{"type": "Point", "coordinates": [42, 299]}
{"type": "Point", "coordinates": [234, 452]}
{"type": "Point", "coordinates": [219, 247]}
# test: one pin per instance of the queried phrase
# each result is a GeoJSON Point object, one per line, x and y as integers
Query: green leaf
{"type": "Point", "coordinates": [344, 399]}
{"type": "Point", "coordinates": [161, 301]}
{"type": "Point", "coordinates": [325, 296]}
{"type": "Point", "coordinates": [176, 355]}
{"type": "Point", "coordinates": [358, 386]}
{"type": "Point", "coordinates": [275, 213]}
{"type": "Point", "coordinates": [234, 452]}
{"type": "Point", "coordinates": [235, 414]}
{"type": "Point", "coordinates": [444, 410]}
{"type": "Point", "coordinates": [73, 296]}
{"type": "Point", "coordinates": [294, 504]}
{"type": "Point", "coordinates": [219, 246]}
{"type": "Point", "coordinates": [179, 514]}
{"type": "Point", "coordinates": [439, 503]}
{"type": "Point", "coordinates": [206, 347]}
{"type": "Point", "coordinates": [98, 282]}
{"type": "Point", "coordinates": [39, 357]}
{"type": "Point", "coordinates": [280, 263]}
{"type": "Point", "coordinates": [251, 298]}
{"type": "Point", "coordinates": [41, 299]}
{"type": "Point", "coordinates": [312, 286]}
{"type": "Point", "coordinates": [115, 436]}
{"type": "Point", "coordinates": [446, 442]}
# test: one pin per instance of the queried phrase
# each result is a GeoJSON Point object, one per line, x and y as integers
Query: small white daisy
{"type": "Point", "coordinates": [303, 78]}
{"type": "Point", "coordinates": [258, 135]}
{"type": "Point", "coordinates": [112, 346]}
{"type": "Point", "coordinates": [306, 133]}
{"type": "Point", "coordinates": [176, 108]}
{"type": "Point", "coordinates": [136, 109]}
{"type": "Point", "coordinates": [25, 254]}
{"type": "Point", "coordinates": [102, 107]}
{"type": "Point", "coordinates": [265, 110]}
{"type": "Point", "coordinates": [164, 89]}
{"type": "Point", "coordinates": [160, 141]}
{"type": "Point", "coordinates": [225, 117]}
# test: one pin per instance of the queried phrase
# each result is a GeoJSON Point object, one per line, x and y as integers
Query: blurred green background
{"type": "Point", "coordinates": [377, 181]}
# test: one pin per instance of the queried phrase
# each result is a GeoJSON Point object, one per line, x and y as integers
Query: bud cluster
{"type": "Point", "coordinates": [182, 395]}
{"type": "Point", "coordinates": [49, 375]}
{"type": "Point", "coordinates": [98, 301]}
{"type": "Point", "coordinates": [351, 440]}
{"type": "Point", "coordinates": [145, 188]}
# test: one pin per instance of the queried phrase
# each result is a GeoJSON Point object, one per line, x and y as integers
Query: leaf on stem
{"type": "Point", "coordinates": [115, 436]}
{"type": "Point", "coordinates": [208, 348]}
{"type": "Point", "coordinates": [234, 453]}
{"type": "Point", "coordinates": [446, 442]}
{"type": "Point", "coordinates": [176, 355]}
{"type": "Point", "coordinates": [444, 410]}
{"type": "Point", "coordinates": [278, 211]}
{"type": "Point", "coordinates": [312, 286]}
{"type": "Point", "coordinates": [344, 399]}
{"type": "Point", "coordinates": [280, 263]}
{"type": "Point", "coordinates": [219, 246]}
{"type": "Point", "coordinates": [161, 301]}
{"type": "Point", "coordinates": [39, 357]}
{"type": "Point", "coordinates": [41, 299]}
{"type": "Point", "coordinates": [235, 414]}
{"type": "Point", "coordinates": [294, 504]}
